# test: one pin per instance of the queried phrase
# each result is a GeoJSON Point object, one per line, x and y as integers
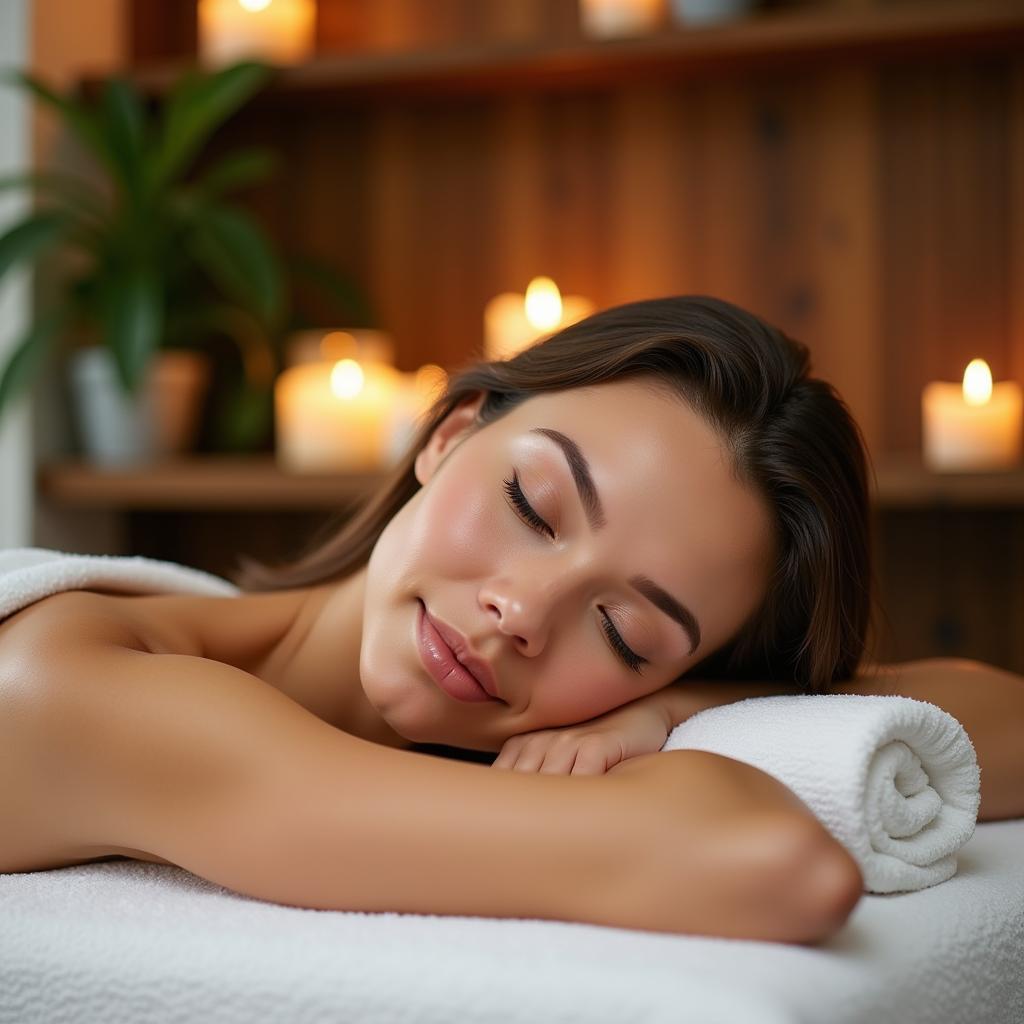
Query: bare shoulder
{"type": "Point", "coordinates": [42, 677]}
{"type": "Point", "coordinates": [72, 617]}
{"type": "Point", "coordinates": [196, 763]}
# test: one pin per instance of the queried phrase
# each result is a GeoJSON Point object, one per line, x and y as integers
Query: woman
{"type": "Point", "coordinates": [660, 491]}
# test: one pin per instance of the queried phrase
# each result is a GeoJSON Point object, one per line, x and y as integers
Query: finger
{"type": "Point", "coordinates": [559, 761]}
{"type": "Point", "coordinates": [594, 760]}
{"type": "Point", "coordinates": [509, 752]}
{"type": "Point", "coordinates": [530, 758]}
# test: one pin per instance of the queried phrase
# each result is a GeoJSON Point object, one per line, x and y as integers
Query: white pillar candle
{"type": "Point", "coordinates": [334, 417]}
{"type": "Point", "coordinates": [513, 322]}
{"type": "Point", "coordinates": [973, 425]}
{"type": "Point", "coordinates": [608, 18]}
{"type": "Point", "coordinates": [278, 31]}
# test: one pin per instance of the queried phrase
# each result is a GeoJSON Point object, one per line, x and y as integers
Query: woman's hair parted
{"type": "Point", "coordinates": [791, 437]}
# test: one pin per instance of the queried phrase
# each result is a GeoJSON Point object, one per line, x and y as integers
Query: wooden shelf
{"type": "Point", "coordinates": [208, 482]}
{"type": "Point", "coordinates": [903, 482]}
{"type": "Point", "coordinates": [765, 38]}
{"type": "Point", "coordinates": [257, 483]}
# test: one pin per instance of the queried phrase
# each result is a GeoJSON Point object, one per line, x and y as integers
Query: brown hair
{"type": "Point", "coordinates": [791, 436]}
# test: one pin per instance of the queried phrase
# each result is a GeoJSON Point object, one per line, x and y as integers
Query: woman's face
{"type": "Point", "coordinates": [545, 571]}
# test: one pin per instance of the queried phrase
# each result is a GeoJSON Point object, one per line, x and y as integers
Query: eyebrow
{"type": "Point", "coordinates": [591, 501]}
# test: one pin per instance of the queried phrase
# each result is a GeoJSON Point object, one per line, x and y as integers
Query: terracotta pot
{"type": "Point", "coordinates": [160, 420]}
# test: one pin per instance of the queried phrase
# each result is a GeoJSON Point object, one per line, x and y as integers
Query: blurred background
{"type": "Point", "coordinates": [242, 242]}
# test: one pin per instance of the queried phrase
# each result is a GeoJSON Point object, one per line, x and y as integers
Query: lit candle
{"type": "Point", "coordinates": [279, 31]}
{"type": "Point", "coordinates": [334, 416]}
{"type": "Point", "coordinates": [607, 18]}
{"type": "Point", "coordinates": [513, 322]}
{"type": "Point", "coordinates": [973, 425]}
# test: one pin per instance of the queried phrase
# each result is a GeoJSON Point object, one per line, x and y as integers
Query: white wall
{"type": "Point", "coordinates": [16, 459]}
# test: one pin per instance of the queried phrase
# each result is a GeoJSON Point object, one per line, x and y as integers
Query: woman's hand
{"type": "Point", "coordinates": [592, 747]}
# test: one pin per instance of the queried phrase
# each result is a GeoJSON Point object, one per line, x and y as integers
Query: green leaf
{"type": "Point", "coordinates": [29, 355]}
{"type": "Point", "coordinates": [124, 126]}
{"type": "Point", "coordinates": [237, 255]}
{"type": "Point", "coordinates": [77, 194]}
{"type": "Point", "coordinates": [196, 107]}
{"type": "Point", "coordinates": [235, 171]}
{"type": "Point", "coordinates": [30, 237]}
{"type": "Point", "coordinates": [133, 320]}
{"type": "Point", "coordinates": [78, 117]}
{"type": "Point", "coordinates": [244, 420]}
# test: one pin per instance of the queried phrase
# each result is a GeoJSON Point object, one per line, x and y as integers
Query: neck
{"type": "Point", "coordinates": [316, 660]}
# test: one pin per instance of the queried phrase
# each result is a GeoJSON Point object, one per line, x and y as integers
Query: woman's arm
{"type": "Point", "coordinates": [987, 701]}
{"type": "Point", "coordinates": [209, 768]}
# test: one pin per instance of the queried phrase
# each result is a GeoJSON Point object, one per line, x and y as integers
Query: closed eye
{"type": "Point", "coordinates": [528, 514]}
{"type": "Point", "coordinates": [625, 654]}
{"type": "Point", "coordinates": [523, 508]}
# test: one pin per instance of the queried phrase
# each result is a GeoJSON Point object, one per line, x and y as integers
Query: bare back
{"type": "Point", "coordinates": [119, 739]}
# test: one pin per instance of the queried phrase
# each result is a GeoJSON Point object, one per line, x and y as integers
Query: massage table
{"type": "Point", "coordinates": [139, 942]}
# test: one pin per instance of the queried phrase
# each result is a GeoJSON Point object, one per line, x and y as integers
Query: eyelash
{"type": "Point", "coordinates": [524, 508]}
{"type": "Point", "coordinates": [526, 512]}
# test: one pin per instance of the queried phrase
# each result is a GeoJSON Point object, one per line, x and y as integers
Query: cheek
{"type": "Point", "coordinates": [579, 684]}
{"type": "Point", "coordinates": [458, 529]}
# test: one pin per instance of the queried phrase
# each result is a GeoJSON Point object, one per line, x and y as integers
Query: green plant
{"type": "Point", "coordinates": [153, 255]}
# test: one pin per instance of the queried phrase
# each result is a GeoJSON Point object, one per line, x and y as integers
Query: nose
{"type": "Point", "coordinates": [521, 609]}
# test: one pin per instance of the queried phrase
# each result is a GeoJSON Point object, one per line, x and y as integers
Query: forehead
{"type": "Point", "coordinates": [671, 499]}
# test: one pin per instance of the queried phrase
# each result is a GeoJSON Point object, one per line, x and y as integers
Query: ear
{"type": "Point", "coordinates": [447, 435]}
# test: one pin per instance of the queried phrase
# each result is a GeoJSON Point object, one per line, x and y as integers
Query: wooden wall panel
{"type": "Point", "coordinates": [948, 579]}
{"type": "Point", "coordinates": [394, 255]}
{"type": "Point", "coordinates": [845, 333]}
{"type": "Point", "coordinates": [649, 240]}
{"type": "Point", "coordinates": [875, 217]}
{"type": "Point", "coordinates": [454, 217]}
{"type": "Point", "coordinates": [581, 182]}
{"type": "Point", "coordinates": [761, 196]}
{"type": "Point", "coordinates": [945, 171]}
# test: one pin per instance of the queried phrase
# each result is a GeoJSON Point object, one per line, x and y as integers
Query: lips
{"type": "Point", "coordinates": [444, 653]}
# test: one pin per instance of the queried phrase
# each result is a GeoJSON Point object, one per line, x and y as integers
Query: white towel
{"type": "Point", "coordinates": [28, 575]}
{"type": "Point", "coordinates": [895, 780]}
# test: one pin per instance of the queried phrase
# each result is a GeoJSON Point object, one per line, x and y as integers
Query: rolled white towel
{"type": "Point", "coordinates": [895, 780]}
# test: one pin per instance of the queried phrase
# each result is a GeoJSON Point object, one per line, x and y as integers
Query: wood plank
{"type": "Point", "coordinates": [649, 253]}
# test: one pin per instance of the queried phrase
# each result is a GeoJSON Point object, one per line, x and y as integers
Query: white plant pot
{"type": "Point", "coordinates": [159, 420]}
{"type": "Point", "coordinates": [710, 12]}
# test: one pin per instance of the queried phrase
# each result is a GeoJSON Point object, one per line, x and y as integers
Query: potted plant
{"type": "Point", "coordinates": [152, 259]}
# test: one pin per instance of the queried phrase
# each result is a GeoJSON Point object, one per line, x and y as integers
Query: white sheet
{"type": "Point", "coordinates": [130, 941]}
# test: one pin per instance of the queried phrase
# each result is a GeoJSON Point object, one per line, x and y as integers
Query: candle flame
{"type": "Point", "coordinates": [347, 378]}
{"type": "Point", "coordinates": [543, 304]}
{"type": "Point", "coordinates": [254, 5]}
{"type": "Point", "coordinates": [977, 382]}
